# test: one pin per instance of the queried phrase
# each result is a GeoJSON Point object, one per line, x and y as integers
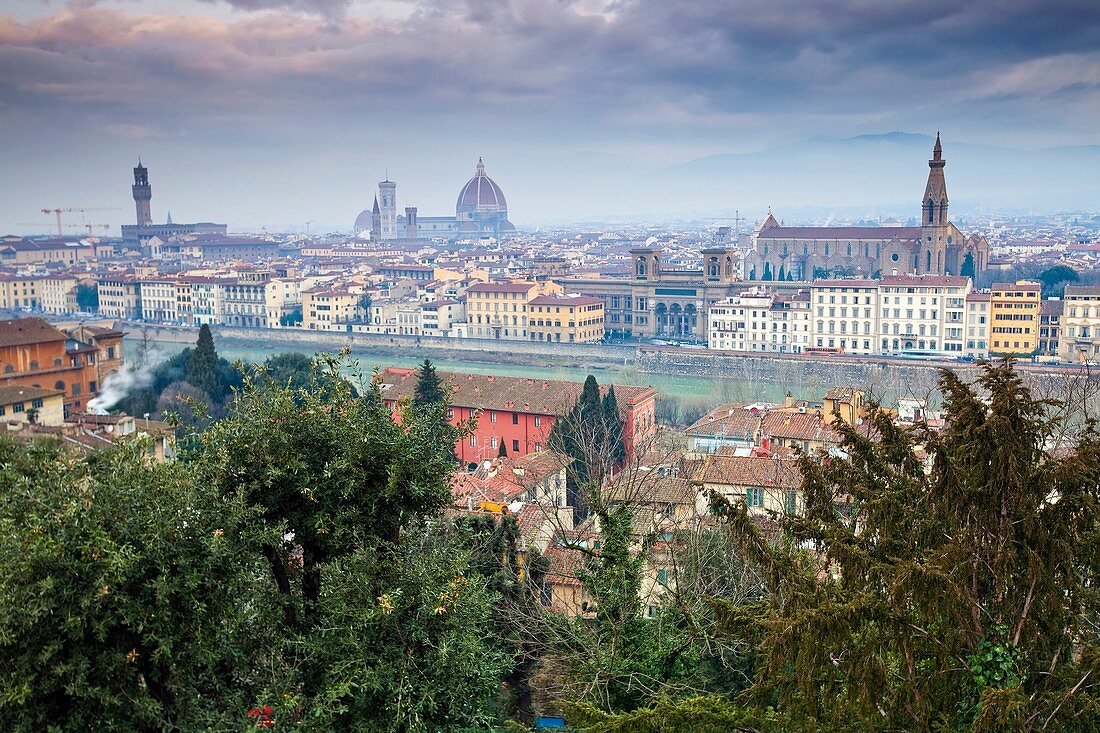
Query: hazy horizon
{"type": "Point", "coordinates": [276, 112]}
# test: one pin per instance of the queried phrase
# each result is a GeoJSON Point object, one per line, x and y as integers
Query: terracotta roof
{"type": "Point", "coordinates": [23, 331]}
{"type": "Point", "coordinates": [1087, 290]}
{"type": "Point", "coordinates": [565, 300]}
{"type": "Point", "coordinates": [798, 426]}
{"type": "Point", "coordinates": [502, 287]}
{"type": "Point", "coordinates": [518, 394]}
{"type": "Point", "coordinates": [853, 283]}
{"type": "Point", "coordinates": [1016, 286]}
{"type": "Point", "coordinates": [1055, 307]}
{"type": "Point", "coordinates": [925, 280]}
{"type": "Point", "coordinates": [16, 393]}
{"type": "Point", "coordinates": [837, 233]}
{"type": "Point", "coordinates": [730, 421]}
{"type": "Point", "coordinates": [749, 471]}
{"type": "Point", "coordinates": [841, 394]}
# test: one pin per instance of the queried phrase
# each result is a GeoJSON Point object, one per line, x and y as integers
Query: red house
{"type": "Point", "coordinates": [518, 410]}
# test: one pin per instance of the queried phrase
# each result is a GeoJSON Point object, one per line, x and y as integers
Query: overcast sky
{"type": "Point", "coordinates": [275, 112]}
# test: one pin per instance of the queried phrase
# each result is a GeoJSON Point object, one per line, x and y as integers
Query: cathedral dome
{"type": "Point", "coordinates": [363, 221]}
{"type": "Point", "coordinates": [481, 194]}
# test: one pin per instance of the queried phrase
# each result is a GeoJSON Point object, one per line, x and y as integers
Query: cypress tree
{"type": "Point", "coordinates": [202, 369]}
{"type": "Point", "coordinates": [429, 390]}
{"type": "Point", "coordinates": [613, 425]}
{"type": "Point", "coordinates": [503, 452]}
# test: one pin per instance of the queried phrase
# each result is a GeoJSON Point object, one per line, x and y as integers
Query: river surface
{"type": "Point", "coordinates": [696, 390]}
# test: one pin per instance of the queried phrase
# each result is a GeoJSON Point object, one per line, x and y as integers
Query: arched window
{"type": "Point", "coordinates": [59, 385]}
{"type": "Point", "coordinates": [929, 267]}
{"type": "Point", "coordinates": [849, 249]}
{"type": "Point", "coordinates": [34, 363]}
{"type": "Point", "coordinates": [57, 361]}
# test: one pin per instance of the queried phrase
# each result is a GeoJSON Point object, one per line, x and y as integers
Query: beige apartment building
{"type": "Point", "coordinates": [500, 310]}
{"type": "Point", "coordinates": [324, 308]}
{"type": "Point", "coordinates": [20, 291]}
{"type": "Point", "coordinates": [1080, 332]}
{"type": "Point", "coordinates": [565, 318]}
{"type": "Point", "coordinates": [1014, 318]}
{"type": "Point", "coordinates": [119, 297]}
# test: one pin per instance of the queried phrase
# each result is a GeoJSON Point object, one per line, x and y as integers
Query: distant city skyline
{"type": "Point", "coordinates": [277, 112]}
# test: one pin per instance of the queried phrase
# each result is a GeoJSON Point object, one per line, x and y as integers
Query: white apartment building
{"type": "Point", "coordinates": [789, 324]}
{"type": "Point", "coordinates": [244, 303]}
{"type": "Point", "coordinates": [158, 300]}
{"type": "Point", "coordinates": [206, 296]}
{"type": "Point", "coordinates": [438, 317]}
{"type": "Point", "coordinates": [845, 315]}
{"type": "Point", "coordinates": [977, 325]}
{"type": "Point", "coordinates": [922, 312]}
{"type": "Point", "coordinates": [1080, 336]}
{"type": "Point", "coordinates": [741, 323]}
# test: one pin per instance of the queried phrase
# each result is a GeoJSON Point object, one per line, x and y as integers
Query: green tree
{"type": "Point", "coordinates": [87, 297]}
{"type": "Point", "coordinates": [429, 388]}
{"type": "Point", "coordinates": [503, 452]}
{"type": "Point", "coordinates": [954, 598]}
{"type": "Point", "coordinates": [126, 602]}
{"type": "Point", "coordinates": [202, 369]}
{"type": "Point", "coordinates": [291, 319]}
{"type": "Point", "coordinates": [968, 269]}
{"type": "Point", "coordinates": [1054, 280]}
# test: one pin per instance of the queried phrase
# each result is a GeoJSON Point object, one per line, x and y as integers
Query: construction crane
{"type": "Point", "coordinates": [59, 211]}
{"type": "Point", "coordinates": [89, 227]}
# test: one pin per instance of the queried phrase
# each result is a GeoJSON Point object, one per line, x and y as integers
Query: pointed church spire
{"type": "Point", "coordinates": [376, 209]}
{"type": "Point", "coordinates": [934, 203]}
{"type": "Point", "coordinates": [169, 218]}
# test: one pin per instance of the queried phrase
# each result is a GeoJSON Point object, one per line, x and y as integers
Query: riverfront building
{"type": "Point", "coordinates": [518, 411]}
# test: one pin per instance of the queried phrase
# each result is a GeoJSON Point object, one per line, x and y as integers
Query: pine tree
{"type": "Point", "coordinates": [955, 598]}
{"type": "Point", "coordinates": [202, 370]}
{"type": "Point", "coordinates": [429, 389]}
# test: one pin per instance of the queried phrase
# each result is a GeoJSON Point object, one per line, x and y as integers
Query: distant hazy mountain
{"type": "Point", "coordinates": [881, 174]}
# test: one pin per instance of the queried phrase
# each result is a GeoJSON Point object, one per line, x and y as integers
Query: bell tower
{"type": "Point", "coordinates": [143, 193]}
{"type": "Point", "coordinates": [932, 254]}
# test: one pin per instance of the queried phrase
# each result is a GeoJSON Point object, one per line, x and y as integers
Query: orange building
{"type": "Point", "coordinates": [519, 411]}
{"type": "Point", "coordinates": [33, 353]}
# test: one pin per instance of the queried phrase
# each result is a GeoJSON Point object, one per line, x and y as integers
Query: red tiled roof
{"type": "Point", "coordinates": [502, 287]}
{"type": "Point", "coordinates": [798, 426]}
{"type": "Point", "coordinates": [728, 421]}
{"type": "Point", "coordinates": [749, 471]}
{"type": "Point", "coordinates": [518, 394]}
{"type": "Point", "coordinates": [925, 280]}
{"type": "Point", "coordinates": [23, 331]}
{"type": "Point", "coordinates": [566, 300]}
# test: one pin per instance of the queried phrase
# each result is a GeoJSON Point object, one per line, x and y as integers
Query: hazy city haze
{"type": "Point", "coordinates": [268, 113]}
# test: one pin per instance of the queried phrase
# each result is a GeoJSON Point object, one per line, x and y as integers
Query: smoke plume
{"type": "Point", "coordinates": [132, 376]}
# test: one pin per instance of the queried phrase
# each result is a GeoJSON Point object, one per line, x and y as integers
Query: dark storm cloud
{"type": "Point", "coordinates": [640, 64]}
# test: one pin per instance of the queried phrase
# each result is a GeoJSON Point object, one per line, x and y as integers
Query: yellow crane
{"type": "Point", "coordinates": [66, 210]}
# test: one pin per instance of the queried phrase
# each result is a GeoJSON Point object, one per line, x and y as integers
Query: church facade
{"type": "Point", "coordinates": [481, 212]}
{"type": "Point", "coordinates": [936, 247]}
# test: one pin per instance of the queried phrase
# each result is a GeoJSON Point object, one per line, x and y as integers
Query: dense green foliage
{"type": "Point", "coordinates": [299, 556]}
{"type": "Point", "coordinates": [949, 596]}
{"type": "Point", "coordinates": [293, 559]}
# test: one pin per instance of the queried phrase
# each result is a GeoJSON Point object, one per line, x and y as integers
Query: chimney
{"type": "Point", "coordinates": [790, 400]}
